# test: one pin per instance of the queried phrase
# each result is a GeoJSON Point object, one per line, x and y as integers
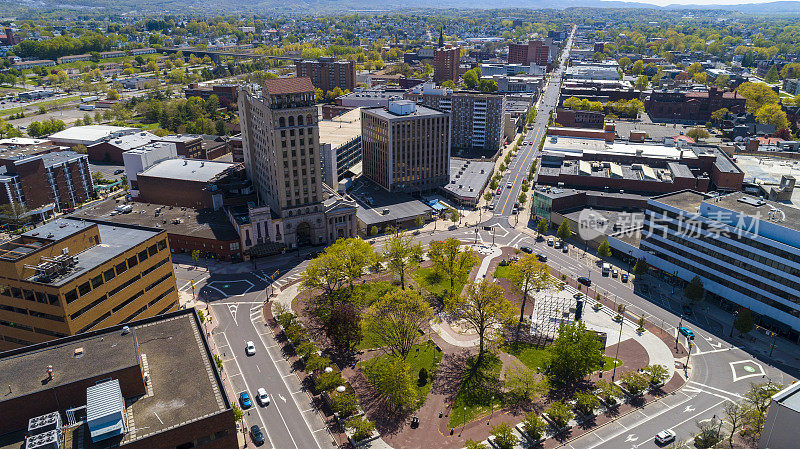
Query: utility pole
{"type": "Point", "coordinates": [619, 340]}
{"type": "Point", "coordinates": [678, 332]}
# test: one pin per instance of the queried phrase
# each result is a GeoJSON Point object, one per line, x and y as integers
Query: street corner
{"type": "Point", "coordinates": [745, 369]}
{"type": "Point", "coordinates": [216, 290]}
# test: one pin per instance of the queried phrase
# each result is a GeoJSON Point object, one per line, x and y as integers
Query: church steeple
{"type": "Point", "coordinates": [441, 37]}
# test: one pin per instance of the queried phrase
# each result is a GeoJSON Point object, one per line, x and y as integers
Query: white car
{"type": "Point", "coordinates": [665, 436]}
{"type": "Point", "coordinates": [262, 396]}
{"type": "Point", "coordinates": [509, 185]}
{"type": "Point", "coordinates": [250, 348]}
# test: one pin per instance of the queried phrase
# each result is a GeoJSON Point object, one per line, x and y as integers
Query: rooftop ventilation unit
{"type": "Point", "coordinates": [44, 423]}
{"type": "Point", "coordinates": [46, 440]}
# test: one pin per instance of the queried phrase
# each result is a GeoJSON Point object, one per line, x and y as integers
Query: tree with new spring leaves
{"type": "Point", "coordinates": [641, 267]}
{"type": "Point", "coordinates": [542, 226]}
{"type": "Point", "coordinates": [452, 260]}
{"type": "Point", "coordinates": [325, 272]}
{"type": "Point", "coordinates": [530, 274]}
{"type": "Point", "coordinates": [564, 232]}
{"type": "Point", "coordinates": [355, 256]}
{"type": "Point", "coordinates": [604, 249]}
{"type": "Point", "coordinates": [484, 308]}
{"type": "Point", "coordinates": [402, 254]}
{"type": "Point", "coordinates": [394, 321]}
{"type": "Point", "coordinates": [744, 321]}
{"type": "Point", "coordinates": [575, 353]}
{"type": "Point", "coordinates": [694, 290]}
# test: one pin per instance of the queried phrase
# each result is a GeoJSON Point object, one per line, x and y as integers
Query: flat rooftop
{"type": "Point", "coordinates": [755, 207]}
{"type": "Point", "coordinates": [686, 200]}
{"type": "Point", "coordinates": [184, 381]}
{"type": "Point", "coordinates": [135, 140]}
{"type": "Point", "coordinates": [187, 169]}
{"type": "Point", "coordinates": [114, 240]}
{"type": "Point", "coordinates": [372, 200]}
{"type": "Point", "coordinates": [767, 171]}
{"type": "Point", "coordinates": [175, 220]}
{"type": "Point", "coordinates": [467, 178]}
{"type": "Point", "coordinates": [420, 111]}
{"type": "Point", "coordinates": [340, 129]}
{"type": "Point", "coordinates": [91, 133]}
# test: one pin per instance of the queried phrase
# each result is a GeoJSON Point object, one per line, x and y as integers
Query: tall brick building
{"type": "Point", "coordinates": [328, 73]}
{"type": "Point", "coordinates": [536, 52]}
{"type": "Point", "coordinates": [446, 62]}
{"type": "Point", "coordinates": [406, 148]}
{"type": "Point", "coordinates": [691, 106]}
{"type": "Point", "coordinates": [44, 182]}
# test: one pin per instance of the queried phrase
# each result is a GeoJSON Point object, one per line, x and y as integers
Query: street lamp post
{"type": "Point", "coordinates": [476, 234]}
{"type": "Point", "coordinates": [678, 332]}
{"type": "Point", "coordinates": [616, 356]}
{"type": "Point", "coordinates": [733, 324]}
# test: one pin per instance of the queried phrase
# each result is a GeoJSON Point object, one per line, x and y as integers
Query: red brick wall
{"type": "Point", "coordinates": [219, 248]}
{"type": "Point", "coordinates": [194, 432]}
{"type": "Point", "coordinates": [173, 192]}
{"type": "Point", "coordinates": [104, 152]}
{"type": "Point", "coordinates": [33, 183]}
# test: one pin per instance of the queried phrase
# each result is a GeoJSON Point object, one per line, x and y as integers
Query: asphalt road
{"type": "Point", "coordinates": [520, 164]}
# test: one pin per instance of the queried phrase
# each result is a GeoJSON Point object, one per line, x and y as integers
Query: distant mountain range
{"type": "Point", "coordinates": [307, 6]}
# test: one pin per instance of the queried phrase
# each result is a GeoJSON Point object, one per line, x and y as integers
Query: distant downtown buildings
{"type": "Point", "coordinates": [328, 73]}
{"type": "Point", "coordinates": [446, 64]}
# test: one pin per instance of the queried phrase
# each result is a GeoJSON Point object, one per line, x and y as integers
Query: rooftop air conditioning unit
{"type": "Point", "coordinates": [46, 440]}
{"type": "Point", "coordinates": [44, 423]}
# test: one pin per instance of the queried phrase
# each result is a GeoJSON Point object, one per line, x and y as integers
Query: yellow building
{"type": "Point", "coordinates": [71, 275]}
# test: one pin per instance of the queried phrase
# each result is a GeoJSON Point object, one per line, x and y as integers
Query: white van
{"type": "Point", "coordinates": [606, 269]}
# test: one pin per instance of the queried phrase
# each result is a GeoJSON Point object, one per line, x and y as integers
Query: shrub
{"type": "Point", "coordinates": [472, 444]}
{"type": "Point", "coordinates": [361, 427]}
{"type": "Point", "coordinates": [504, 436]}
{"type": "Point", "coordinates": [316, 363]}
{"type": "Point", "coordinates": [586, 402]}
{"type": "Point", "coordinates": [328, 381]}
{"type": "Point", "coordinates": [534, 425]}
{"type": "Point", "coordinates": [636, 383]}
{"type": "Point", "coordinates": [306, 349]}
{"type": "Point", "coordinates": [609, 391]}
{"type": "Point", "coordinates": [345, 404]}
{"type": "Point", "coordinates": [560, 413]}
{"type": "Point", "coordinates": [657, 374]}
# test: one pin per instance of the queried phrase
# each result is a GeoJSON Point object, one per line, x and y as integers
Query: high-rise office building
{"type": "Point", "coordinates": [281, 149]}
{"type": "Point", "coordinates": [446, 61]}
{"type": "Point", "coordinates": [406, 147]}
{"type": "Point", "coordinates": [536, 52]}
{"type": "Point", "coordinates": [328, 73]}
{"type": "Point", "coordinates": [477, 118]}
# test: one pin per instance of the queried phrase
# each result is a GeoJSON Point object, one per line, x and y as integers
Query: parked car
{"type": "Point", "coordinates": [542, 257]}
{"type": "Point", "coordinates": [550, 241]}
{"type": "Point", "coordinates": [557, 244]}
{"type": "Point", "coordinates": [585, 281]}
{"type": "Point", "coordinates": [526, 249]}
{"type": "Point", "coordinates": [686, 332]}
{"type": "Point", "coordinates": [250, 348]}
{"type": "Point", "coordinates": [499, 190]}
{"type": "Point", "coordinates": [257, 435]}
{"type": "Point", "coordinates": [614, 273]}
{"type": "Point", "coordinates": [624, 278]}
{"type": "Point", "coordinates": [491, 206]}
{"type": "Point", "coordinates": [244, 400]}
{"type": "Point", "coordinates": [514, 211]}
{"type": "Point", "coordinates": [262, 396]}
{"type": "Point", "coordinates": [665, 436]}
{"type": "Point", "coordinates": [118, 171]}
{"type": "Point", "coordinates": [565, 248]}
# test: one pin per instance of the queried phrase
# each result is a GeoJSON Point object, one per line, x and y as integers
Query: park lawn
{"type": "Point", "coordinates": [424, 355]}
{"type": "Point", "coordinates": [435, 284]}
{"type": "Point", "coordinates": [473, 399]}
{"type": "Point", "coordinates": [532, 356]}
{"type": "Point", "coordinates": [610, 361]}
{"type": "Point", "coordinates": [54, 102]}
{"type": "Point", "coordinates": [503, 272]}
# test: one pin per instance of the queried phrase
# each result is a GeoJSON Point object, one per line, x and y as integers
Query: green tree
{"type": "Point", "coordinates": [564, 232]}
{"type": "Point", "coordinates": [362, 428]}
{"type": "Point", "coordinates": [522, 199]}
{"type": "Point", "coordinates": [418, 222]}
{"type": "Point", "coordinates": [709, 433]}
{"type": "Point", "coordinates": [698, 134]}
{"type": "Point", "coordinates": [694, 68]}
{"type": "Point", "coordinates": [237, 412]}
{"type": "Point", "coordinates": [373, 231]}
{"type": "Point", "coordinates": [472, 77]}
{"type": "Point", "coordinates": [542, 226]}
{"type": "Point", "coordinates": [534, 426]}
{"type": "Point", "coordinates": [744, 322]}
{"type": "Point", "coordinates": [392, 379]}
{"type": "Point", "coordinates": [394, 321]}
{"type": "Point", "coordinates": [772, 114]}
{"type": "Point", "coordinates": [528, 273]}
{"type": "Point", "coordinates": [325, 272]}
{"type": "Point", "coordinates": [624, 62]}
{"type": "Point", "coordinates": [402, 254]}
{"type": "Point", "coordinates": [637, 68]}
{"type": "Point", "coordinates": [641, 83]}
{"type": "Point", "coordinates": [772, 75]}
{"type": "Point", "coordinates": [354, 255]}
{"type": "Point", "coordinates": [344, 327]}
{"type": "Point", "coordinates": [734, 414]}
{"type": "Point", "coordinates": [483, 308]}
{"type": "Point", "coordinates": [586, 402]}
{"type": "Point", "coordinates": [635, 382]}
{"type": "Point", "coordinates": [523, 385]}
{"type": "Point", "coordinates": [560, 413]}
{"type": "Point", "coordinates": [757, 95]}
{"type": "Point", "coordinates": [488, 196]}
{"type": "Point", "coordinates": [719, 114]}
{"type": "Point", "coordinates": [604, 249]}
{"type": "Point", "coordinates": [694, 290]}
{"type": "Point", "coordinates": [575, 353]}
{"type": "Point", "coordinates": [608, 391]}
{"type": "Point", "coordinates": [572, 103]}
{"type": "Point", "coordinates": [452, 260]}
{"type": "Point", "coordinates": [640, 267]}
{"type": "Point", "coordinates": [656, 374]}
{"type": "Point", "coordinates": [722, 81]}
{"type": "Point", "coordinates": [504, 436]}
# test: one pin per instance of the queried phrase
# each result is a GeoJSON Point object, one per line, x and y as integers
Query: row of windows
{"type": "Point", "coordinates": [694, 219]}
{"type": "Point", "coordinates": [779, 274]}
{"type": "Point", "coordinates": [115, 271]}
{"type": "Point", "coordinates": [28, 295]}
{"type": "Point", "coordinates": [37, 330]}
{"type": "Point", "coordinates": [694, 268]}
{"type": "Point", "coordinates": [32, 313]}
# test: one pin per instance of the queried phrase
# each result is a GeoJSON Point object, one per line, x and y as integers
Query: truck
{"type": "Point", "coordinates": [606, 268]}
